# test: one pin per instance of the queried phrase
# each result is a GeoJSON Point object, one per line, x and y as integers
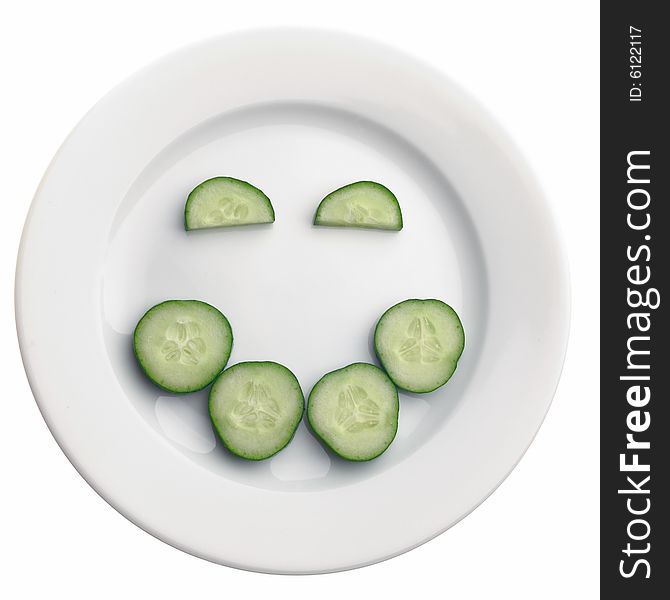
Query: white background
{"type": "Point", "coordinates": [534, 65]}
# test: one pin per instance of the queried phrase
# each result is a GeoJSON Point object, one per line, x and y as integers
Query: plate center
{"type": "Point", "coordinates": [296, 294]}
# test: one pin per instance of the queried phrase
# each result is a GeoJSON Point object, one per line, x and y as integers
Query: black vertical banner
{"type": "Point", "coordinates": [635, 265]}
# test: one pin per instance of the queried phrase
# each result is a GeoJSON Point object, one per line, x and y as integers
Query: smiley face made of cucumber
{"type": "Point", "coordinates": [256, 407]}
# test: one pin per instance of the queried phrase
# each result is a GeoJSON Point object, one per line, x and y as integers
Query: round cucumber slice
{"type": "Point", "coordinates": [419, 343]}
{"type": "Point", "coordinates": [224, 202]}
{"type": "Point", "coordinates": [354, 411]}
{"type": "Point", "coordinates": [182, 345]}
{"type": "Point", "coordinates": [255, 408]}
{"type": "Point", "coordinates": [361, 204]}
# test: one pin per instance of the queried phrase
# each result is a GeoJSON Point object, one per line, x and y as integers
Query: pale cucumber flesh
{"type": "Point", "coordinates": [226, 202]}
{"type": "Point", "coordinates": [354, 411]}
{"type": "Point", "coordinates": [418, 343]}
{"type": "Point", "coordinates": [255, 408]}
{"type": "Point", "coordinates": [364, 204]}
{"type": "Point", "coordinates": [182, 345]}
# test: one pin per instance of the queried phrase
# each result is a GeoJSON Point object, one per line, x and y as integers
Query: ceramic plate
{"type": "Point", "coordinates": [298, 113]}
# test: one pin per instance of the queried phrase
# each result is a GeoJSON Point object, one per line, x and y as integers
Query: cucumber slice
{"type": "Point", "coordinates": [224, 202]}
{"type": "Point", "coordinates": [354, 411]}
{"type": "Point", "coordinates": [182, 345]}
{"type": "Point", "coordinates": [419, 343]}
{"type": "Point", "coordinates": [361, 204]}
{"type": "Point", "coordinates": [255, 408]}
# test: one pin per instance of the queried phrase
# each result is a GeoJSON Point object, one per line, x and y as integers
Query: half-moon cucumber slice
{"type": "Point", "coordinates": [225, 202]}
{"type": "Point", "coordinates": [362, 204]}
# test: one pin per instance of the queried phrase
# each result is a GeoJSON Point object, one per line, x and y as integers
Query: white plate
{"type": "Point", "coordinates": [298, 113]}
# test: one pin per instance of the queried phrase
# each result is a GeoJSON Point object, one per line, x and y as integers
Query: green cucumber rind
{"type": "Point", "coordinates": [140, 362]}
{"type": "Point", "coordinates": [262, 195]}
{"type": "Point", "coordinates": [233, 450]}
{"type": "Point", "coordinates": [381, 358]}
{"type": "Point", "coordinates": [388, 192]}
{"type": "Point", "coordinates": [324, 442]}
